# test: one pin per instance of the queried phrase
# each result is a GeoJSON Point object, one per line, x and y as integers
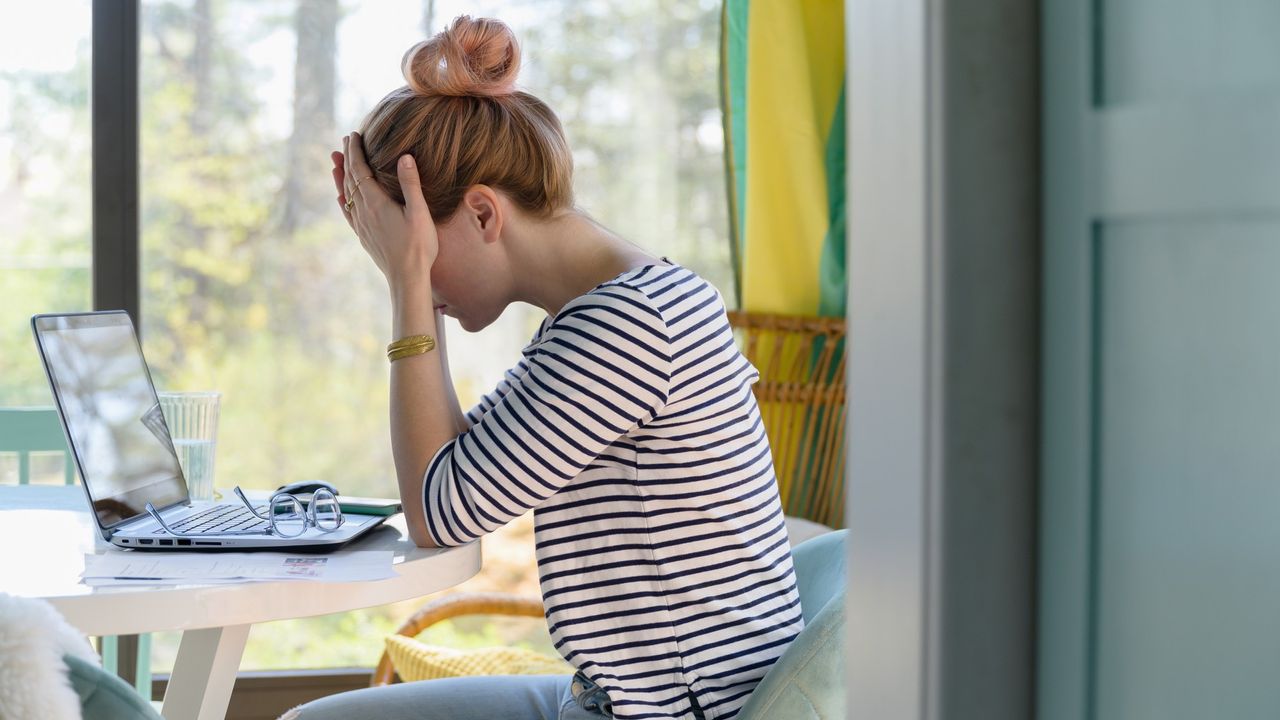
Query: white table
{"type": "Point", "coordinates": [46, 531]}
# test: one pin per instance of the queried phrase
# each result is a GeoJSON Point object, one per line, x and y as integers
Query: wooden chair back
{"type": "Point", "coordinates": [801, 393]}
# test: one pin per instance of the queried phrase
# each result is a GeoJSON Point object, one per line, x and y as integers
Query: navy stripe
{"type": "Point", "coordinates": [659, 278]}
{"type": "Point", "coordinates": [714, 600]}
{"type": "Point", "coordinates": [574, 310]}
{"type": "Point", "coordinates": [569, 404]}
{"type": "Point", "coordinates": [583, 552]}
{"type": "Point", "coordinates": [598, 360]}
{"type": "Point", "coordinates": [483, 469]}
{"type": "Point", "coordinates": [692, 635]}
{"type": "Point", "coordinates": [753, 570]}
{"type": "Point", "coordinates": [696, 410]}
{"type": "Point", "coordinates": [686, 295]}
{"type": "Point", "coordinates": [632, 341]}
{"type": "Point", "coordinates": [767, 486]}
{"type": "Point", "coordinates": [725, 349]}
{"type": "Point", "coordinates": [718, 521]}
{"type": "Point", "coordinates": [686, 313]}
{"type": "Point", "coordinates": [611, 632]}
{"type": "Point", "coordinates": [570, 370]}
{"type": "Point", "coordinates": [732, 413]}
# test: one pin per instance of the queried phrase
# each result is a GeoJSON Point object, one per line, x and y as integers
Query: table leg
{"type": "Point", "coordinates": [204, 673]}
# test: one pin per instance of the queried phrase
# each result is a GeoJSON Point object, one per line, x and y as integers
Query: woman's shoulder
{"type": "Point", "coordinates": [662, 287]}
{"type": "Point", "coordinates": [648, 299]}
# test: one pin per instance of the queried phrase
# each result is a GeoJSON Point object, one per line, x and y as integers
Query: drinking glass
{"type": "Point", "coordinates": [192, 418]}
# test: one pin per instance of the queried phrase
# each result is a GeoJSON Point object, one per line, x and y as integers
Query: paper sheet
{"type": "Point", "coordinates": [192, 568]}
{"type": "Point", "coordinates": [100, 581]}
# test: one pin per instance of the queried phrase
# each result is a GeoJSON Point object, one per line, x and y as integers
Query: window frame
{"type": "Point", "coordinates": [114, 127]}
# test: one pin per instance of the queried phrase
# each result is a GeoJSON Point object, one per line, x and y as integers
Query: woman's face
{"type": "Point", "coordinates": [468, 276]}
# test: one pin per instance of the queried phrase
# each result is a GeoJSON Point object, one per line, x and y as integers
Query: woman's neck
{"type": "Point", "coordinates": [560, 259]}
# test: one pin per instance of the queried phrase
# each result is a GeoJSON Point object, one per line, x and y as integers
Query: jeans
{"type": "Point", "coordinates": [477, 697]}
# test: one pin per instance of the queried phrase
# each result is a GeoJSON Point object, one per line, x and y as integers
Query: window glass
{"type": "Point", "coordinates": [45, 200]}
{"type": "Point", "coordinates": [254, 286]}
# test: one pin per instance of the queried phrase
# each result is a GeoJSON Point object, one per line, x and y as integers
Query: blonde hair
{"type": "Point", "coordinates": [465, 123]}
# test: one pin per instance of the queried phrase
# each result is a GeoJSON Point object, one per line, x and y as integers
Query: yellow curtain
{"type": "Point", "coordinates": [782, 75]}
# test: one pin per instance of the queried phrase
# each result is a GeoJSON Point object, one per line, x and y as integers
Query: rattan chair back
{"type": "Point", "coordinates": [801, 393]}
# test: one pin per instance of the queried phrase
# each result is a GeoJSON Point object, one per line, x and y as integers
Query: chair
{"type": "Point", "coordinates": [26, 430]}
{"type": "Point", "coordinates": [801, 393]}
{"type": "Point", "coordinates": [104, 696]}
{"type": "Point", "coordinates": [806, 682]}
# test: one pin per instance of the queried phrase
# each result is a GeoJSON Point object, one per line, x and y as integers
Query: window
{"type": "Point", "coordinates": [45, 201]}
{"type": "Point", "coordinates": [252, 284]}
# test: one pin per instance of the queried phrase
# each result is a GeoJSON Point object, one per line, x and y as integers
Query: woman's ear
{"type": "Point", "coordinates": [484, 211]}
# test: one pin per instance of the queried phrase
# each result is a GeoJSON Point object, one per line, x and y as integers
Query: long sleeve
{"type": "Point", "coordinates": [601, 368]}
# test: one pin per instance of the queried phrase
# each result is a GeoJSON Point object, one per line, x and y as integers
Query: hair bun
{"type": "Point", "coordinates": [470, 57]}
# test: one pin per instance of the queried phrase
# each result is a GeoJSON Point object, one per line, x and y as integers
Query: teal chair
{"type": "Point", "coordinates": [26, 430]}
{"type": "Point", "coordinates": [808, 681]}
{"type": "Point", "coordinates": [103, 696]}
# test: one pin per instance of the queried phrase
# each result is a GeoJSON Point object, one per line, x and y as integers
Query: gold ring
{"type": "Point", "coordinates": [351, 197]}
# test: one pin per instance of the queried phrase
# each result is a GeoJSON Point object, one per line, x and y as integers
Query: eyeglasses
{"type": "Point", "coordinates": [285, 516]}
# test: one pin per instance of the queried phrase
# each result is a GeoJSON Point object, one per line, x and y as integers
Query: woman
{"type": "Point", "coordinates": [628, 425]}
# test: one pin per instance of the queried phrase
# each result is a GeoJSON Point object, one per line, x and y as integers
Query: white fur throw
{"type": "Point", "coordinates": [33, 676]}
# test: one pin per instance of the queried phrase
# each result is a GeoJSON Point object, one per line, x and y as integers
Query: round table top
{"type": "Point", "coordinates": [46, 531]}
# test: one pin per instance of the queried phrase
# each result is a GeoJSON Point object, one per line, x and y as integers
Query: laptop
{"type": "Point", "coordinates": [126, 458]}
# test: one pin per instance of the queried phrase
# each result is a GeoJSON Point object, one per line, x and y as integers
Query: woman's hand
{"type": "Point", "coordinates": [401, 239]}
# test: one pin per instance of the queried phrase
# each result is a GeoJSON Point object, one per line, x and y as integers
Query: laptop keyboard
{"type": "Point", "coordinates": [220, 519]}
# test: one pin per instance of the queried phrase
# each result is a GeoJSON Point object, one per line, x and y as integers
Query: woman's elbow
{"type": "Point", "coordinates": [421, 537]}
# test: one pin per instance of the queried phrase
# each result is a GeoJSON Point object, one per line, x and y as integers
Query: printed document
{"type": "Point", "coordinates": [193, 568]}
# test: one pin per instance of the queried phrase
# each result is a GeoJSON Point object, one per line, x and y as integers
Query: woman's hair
{"type": "Point", "coordinates": [464, 122]}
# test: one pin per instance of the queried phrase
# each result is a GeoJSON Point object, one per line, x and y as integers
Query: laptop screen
{"type": "Point", "coordinates": [111, 412]}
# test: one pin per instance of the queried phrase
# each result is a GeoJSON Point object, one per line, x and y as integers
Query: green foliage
{"type": "Point", "coordinates": [44, 215]}
{"type": "Point", "coordinates": [635, 85]}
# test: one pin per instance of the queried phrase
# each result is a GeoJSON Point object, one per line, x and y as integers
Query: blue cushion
{"type": "Point", "coordinates": [807, 682]}
{"type": "Point", "coordinates": [103, 696]}
{"type": "Point", "coordinates": [819, 563]}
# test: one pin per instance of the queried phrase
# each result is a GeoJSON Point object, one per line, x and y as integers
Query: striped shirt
{"type": "Point", "coordinates": [630, 427]}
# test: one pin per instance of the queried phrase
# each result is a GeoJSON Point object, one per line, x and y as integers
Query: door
{"type": "Point", "coordinates": [1160, 502]}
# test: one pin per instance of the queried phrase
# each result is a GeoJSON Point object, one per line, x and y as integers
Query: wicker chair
{"type": "Point", "coordinates": [450, 606]}
{"type": "Point", "coordinates": [801, 393]}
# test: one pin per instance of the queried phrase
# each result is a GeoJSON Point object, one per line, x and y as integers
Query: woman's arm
{"type": "Point", "coordinates": [422, 420]}
{"type": "Point", "coordinates": [599, 371]}
{"type": "Point", "coordinates": [402, 242]}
